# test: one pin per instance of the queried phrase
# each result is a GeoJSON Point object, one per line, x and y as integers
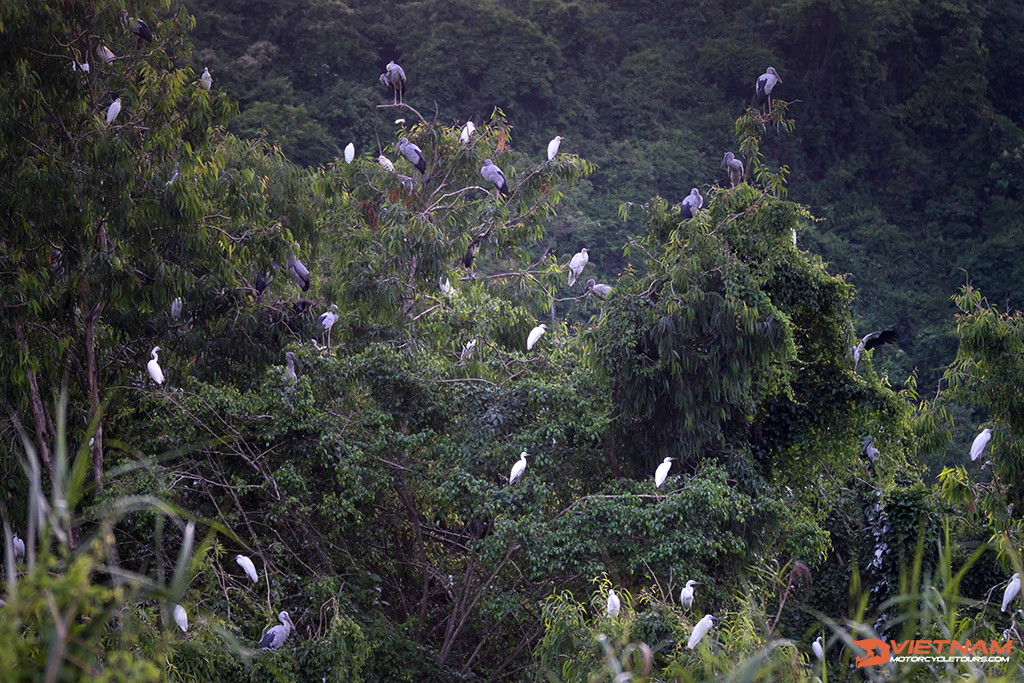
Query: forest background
{"type": "Point", "coordinates": [373, 488]}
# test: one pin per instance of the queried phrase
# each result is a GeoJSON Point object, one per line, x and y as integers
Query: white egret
{"type": "Point", "coordinates": [700, 630]}
{"type": "Point", "coordinates": [298, 271]}
{"type": "Point", "coordinates": [289, 360]}
{"type": "Point", "coordinates": [871, 340]}
{"type": "Point", "coordinates": [181, 618]}
{"type": "Point", "coordinates": [445, 285]}
{"type": "Point", "coordinates": [980, 441]}
{"type": "Point", "coordinates": [385, 163]}
{"type": "Point", "coordinates": [686, 594]}
{"type": "Point", "coordinates": [1011, 591]}
{"type": "Point", "coordinates": [328, 319]}
{"type": "Point", "coordinates": [613, 603]}
{"type": "Point", "coordinates": [394, 78]}
{"type": "Point", "coordinates": [494, 174]}
{"type": "Point", "coordinates": [274, 638]}
{"type": "Point", "coordinates": [176, 308]}
{"type": "Point", "coordinates": [105, 55]}
{"type": "Point", "coordinates": [413, 153]}
{"type": "Point", "coordinates": [206, 79]}
{"type": "Point", "coordinates": [350, 153]}
{"type": "Point", "coordinates": [576, 265]}
{"type": "Point", "coordinates": [467, 351]}
{"type": "Point", "coordinates": [18, 546]}
{"type": "Point", "coordinates": [248, 567]}
{"type": "Point", "coordinates": [735, 168]}
{"type": "Point", "coordinates": [153, 366]}
{"type": "Point", "coordinates": [534, 335]}
{"type": "Point", "coordinates": [517, 469]}
{"type": "Point", "coordinates": [113, 110]}
{"type": "Point", "coordinates": [661, 473]}
{"type": "Point", "coordinates": [764, 86]}
{"type": "Point", "coordinates": [817, 649]}
{"type": "Point", "coordinates": [467, 132]}
{"type": "Point", "coordinates": [553, 146]}
{"type": "Point", "coordinates": [600, 291]}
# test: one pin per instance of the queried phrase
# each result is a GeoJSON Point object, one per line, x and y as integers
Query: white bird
{"type": "Point", "coordinates": [385, 163]}
{"type": "Point", "coordinates": [83, 66]}
{"type": "Point", "coordinates": [686, 594]}
{"type": "Point", "coordinates": [816, 648]}
{"type": "Point", "coordinates": [600, 291]}
{"type": "Point", "coordinates": [1011, 591]}
{"type": "Point", "coordinates": [181, 618]}
{"type": "Point", "coordinates": [19, 548]}
{"type": "Point", "coordinates": [980, 441]}
{"type": "Point", "coordinates": [394, 78]}
{"type": "Point", "coordinates": [350, 153]}
{"type": "Point", "coordinates": [661, 473]}
{"type": "Point", "coordinates": [248, 567]}
{"type": "Point", "coordinates": [700, 630]}
{"type": "Point", "coordinates": [494, 174]}
{"type": "Point", "coordinates": [764, 86]}
{"type": "Point", "coordinates": [327, 320]}
{"type": "Point", "coordinates": [553, 146]}
{"type": "Point", "coordinates": [535, 334]}
{"type": "Point", "coordinates": [871, 340]}
{"type": "Point", "coordinates": [467, 351]}
{"type": "Point", "coordinates": [206, 79]}
{"type": "Point", "coordinates": [113, 110]}
{"type": "Point", "coordinates": [176, 308]}
{"type": "Point", "coordinates": [613, 603]}
{"type": "Point", "coordinates": [517, 469]}
{"type": "Point", "coordinates": [577, 264]}
{"type": "Point", "coordinates": [274, 638]}
{"type": "Point", "coordinates": [289, 359]}
{"type": "Point", "coordinates": [735, 168]}
{"type": "Point", "coordinates": [413, 153]}
{"type": "Point", "coordinates": [691, 203]}
{"type": "Point", "coordinates": [445, 285]}
{"type": "Point", "coordinates": [467, 132]}
{"type": "Point", "coordinates": [105, 55]}
{"type": "Point", "coordinates": [153, 366]}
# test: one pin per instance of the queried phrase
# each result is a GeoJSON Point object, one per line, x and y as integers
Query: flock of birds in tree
{"type": "Point", "coordinates": [395, 79]}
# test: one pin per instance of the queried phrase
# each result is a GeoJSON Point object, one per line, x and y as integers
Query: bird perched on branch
{"type": "Point", "coordinates": [764, 86]}
{"type": "Point", "coordinates": [274, 638]}
{"type": "Point", "coordinates": [534, 336]}
{"type": "Point", "coordinates": [113, 110]}
{"type": "Point", "coordinates": [413, 153]}
{"type": "Point", "coordinates": [327, 320]}
{"type": "Point", "coordinates": [691, 203]}
{"type": "Point", "coordinates": [153, 367]}
{"type": "Point", "coordinates": [394, 78]}
{"type": "Point", "coordinates": [137, 26]}
{"type": "Point", "coordinates": [298, 271]}
{"type": "Point", "coordinates": [105, 55]}
{"type": "Point", "coordinates": [181, 618]}
{"type": "Point", "coordinates": [600, 291]}
{"type": "Point", "coordinates": [980, 441]}
{"type": "Point", "coordinates": [553, 146]}
{"type": "Point", "coordinates": [350, 153]}
{"type": "Point", "coordinates": [518, 468]}
{"type": "Point", "coordinates": [576, 265]}
{"type": "Point", "coordinates": [467, 132]}
{"type": "Point", "coordinates": [686, 594]}
{"type": "Point", "coordinates": [495, 175]}
{"type": "Point", "coordinates": [734, 167]}
{"type": "Point", "coordinates": [701, 630]}
{"type": "Point", "coordinates": [661, 473]}
{"type": "Point", "coordinates": [206, 79]}
{"type": "Point", "coordinates": [289, 360]}
{"type": "Point", "coordinates": [248, 567]}
{"type": "Point", "coordinates": [1011, 591]}
{"type": "Point", "coordinates": [614, 604]}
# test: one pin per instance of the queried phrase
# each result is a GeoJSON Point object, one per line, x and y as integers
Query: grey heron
{"type": "Point", "coordinates": [517, 469]}
{"type": "Point", "coordinates": [576, 265]}
{"type": "Point", "coordinates": [274, 638]}
{"type": "Point", "coordinates": [535, 334]}
{"type": "Point", "coordinates": [980, 441]}
{"type": "Point", "coordinates": [495, 175]}
{"type": "Point", "coordinates": [764, 86]}
{"type": "Point", "coordinates": [289, 360]}
{"type": "Point", "coordinates": [734, 167]}
{"type": "Point", "coordinates": [413, 153]}
{"type": "Point", "coordinates": [394, 78]}
{"type": "Point", "coordinates": [248, 567]}
{"type": "Point", "coordinates": [153, 366]}
{"type": "Point", "coordinates": [553, 146]}
{"type": "Point", "coordinates": [661, 473]}
{"type": "Point", "coordinates": [600, 291]}
{"type": "Point", "coordinates": [700, 630]}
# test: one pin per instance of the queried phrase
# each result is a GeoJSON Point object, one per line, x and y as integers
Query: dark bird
{"type": "Point", "coordinates": [137, 26]}
{"type": "Point", "coordinates": [298, 272]}
{"type": "Point", "coordinates": [494, 174]}
{"type": "Point", "coordinates": [689, 206]}
{"type": "Point", "coordinates": [263, 280]}
{"type": "Point", "coordinates": [467, 260]}
{"type": "Point", "coordinates": [274, 638]}
{"type": "Point", "coordinates": [871, 340]}
{"type": "Point", "coordinates": [868, 444]}
{"type": "Point", "coordinates": [764, 86]}
{"type": "Point", "coordinates": [413, 153]}
{"type": "Point", "coordinates": [394, 78]}
{"type": "Point", "coordinates": [735, 168]}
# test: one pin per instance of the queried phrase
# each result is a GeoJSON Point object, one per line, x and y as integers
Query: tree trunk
{"type": "Point", "coordinates": [92, 372]}
{"type": "Point", "coordinates": [40, 418]}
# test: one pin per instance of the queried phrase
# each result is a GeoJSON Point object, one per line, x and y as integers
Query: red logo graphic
{"type": "Point", "coordinates": [877, 652]}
